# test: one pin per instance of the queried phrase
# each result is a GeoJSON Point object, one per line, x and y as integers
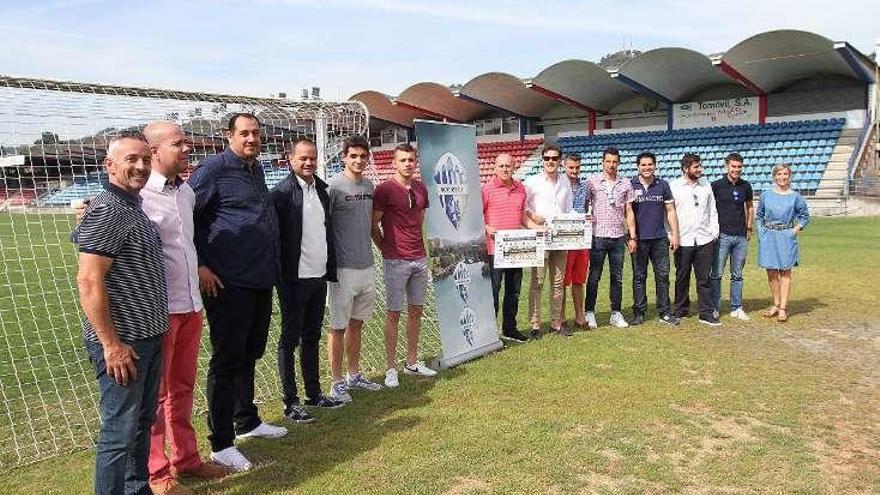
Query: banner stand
{"type": "Point", "coordinates": [443, 363]}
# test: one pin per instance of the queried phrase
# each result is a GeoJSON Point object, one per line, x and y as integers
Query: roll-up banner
{"type": "Point", "coordinates": [456, 240]}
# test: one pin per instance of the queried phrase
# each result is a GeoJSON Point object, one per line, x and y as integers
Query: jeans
{"type": "Point", "coordinates": [700, 259]}
{"type": "Point", "coordinates": [302, 314]}
{"type": "Point", "coordinates": [657, 251]}
{"type": "Point", "coordinates": [614, 249]}
{"type": "Point", "coordinates": [238, 320]}
{"type": "Point", "coordinates": [737, 247]}
{"type": "Point", "coordinates": [127, 413]}
{"type": "Point", "coordinates": [512, 283]}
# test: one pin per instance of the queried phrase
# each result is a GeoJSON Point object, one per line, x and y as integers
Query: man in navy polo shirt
{"type": "Point", "coordinates": [733, 198]}
{"type": "Point", "coordinates": [654, 207]}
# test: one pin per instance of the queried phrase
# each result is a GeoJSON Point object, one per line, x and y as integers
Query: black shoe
{"type": "Point", "coordinates": [324, 402]}
{"type": "Point", "coordinates": [670, 319]}
{"type": "Point", "coordinates": [535, 334]}
{"type": "Point", "coordinates": [710, 320]}
{"type": "Point", "coordinates": [297, 414]}
{"type": "Point", "coordinates": [564, 331]}
{"type": "Point", "coordinates": [637, 320]}
{"type": "Point", "coordinates": [514, 335]}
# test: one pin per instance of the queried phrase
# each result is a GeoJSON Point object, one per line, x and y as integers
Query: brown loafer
{"type": "Point", "coordinates": [206, 471]}
{"type": "Point", "coordinates": [169, 487]}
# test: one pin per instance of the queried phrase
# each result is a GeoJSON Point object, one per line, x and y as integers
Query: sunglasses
{"type": "Point", "coordinates": [551, 158]}
{"type": "Point", "coordinates": [413, 200]}
{"type": "Point", "coordinates": [696, 200]}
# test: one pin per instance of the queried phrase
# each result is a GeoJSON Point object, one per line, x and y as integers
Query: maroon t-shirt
{"type": "Point", "coordinates": [403, 210]}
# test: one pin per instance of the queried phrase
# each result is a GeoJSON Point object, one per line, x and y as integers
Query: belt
{"type": "Point", "coordinates": [778, 226]}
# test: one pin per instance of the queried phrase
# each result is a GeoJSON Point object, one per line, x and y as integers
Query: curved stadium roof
{"type": "Point", "coordinates": [763, 63]}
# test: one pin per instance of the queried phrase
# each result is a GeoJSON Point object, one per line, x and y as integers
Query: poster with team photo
{"type": "Point", "coordinates": [518, 248]}
{"type": "Point", "coordinates": [567, 231]}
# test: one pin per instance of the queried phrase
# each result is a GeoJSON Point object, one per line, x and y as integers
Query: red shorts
{"type": "Point", "coordinates": [576, 267]}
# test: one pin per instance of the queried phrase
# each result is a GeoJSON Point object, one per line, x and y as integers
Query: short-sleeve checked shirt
{"type": "Point", "coordinates": [609, 199]}
{"type": "Point", "coordinates": [114, 226]}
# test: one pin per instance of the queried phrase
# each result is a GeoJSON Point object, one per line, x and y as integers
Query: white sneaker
{"type": "Point", "coordinates": [265, 430]}
{"type": "Point", "coordinates": [740, 314]}
{"type": "Point", "coordinates": [391, 378]}
{"type": "Point", "coordinates": [591, 320]}
{"type": "Point", "coordinates": [618, 320]}
{"type": "Point", "coordinates": [339, 391]}
{"type": "Point", "coordinates": [419, 368]}
{"type": "Point", "coordinates": [231, 458]}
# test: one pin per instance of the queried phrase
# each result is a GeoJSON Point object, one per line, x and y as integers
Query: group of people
{"type": "Point", "coordinates": [155, 250]}
{"type": "Point", "coordinates": [705, 225]}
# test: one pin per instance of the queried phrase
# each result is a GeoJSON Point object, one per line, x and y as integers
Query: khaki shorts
{"type": "Point", "coordinates": [406, 282]}
{"type": "Point", "coordinates": [353, 297]}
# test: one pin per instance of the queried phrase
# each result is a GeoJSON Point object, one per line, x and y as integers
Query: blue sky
{"type": "Point", "coordinates": [262, 47]}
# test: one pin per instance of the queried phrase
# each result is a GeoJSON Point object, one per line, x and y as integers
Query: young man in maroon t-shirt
{"type": "Point", "coordinates": [399, 207]}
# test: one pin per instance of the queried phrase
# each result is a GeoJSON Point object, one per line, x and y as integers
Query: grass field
{"type": "Point", "coordinates": [753, 407]}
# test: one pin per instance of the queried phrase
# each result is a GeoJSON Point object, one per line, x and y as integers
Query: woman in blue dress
{"type": "Point", "coordinates": [781, 216]}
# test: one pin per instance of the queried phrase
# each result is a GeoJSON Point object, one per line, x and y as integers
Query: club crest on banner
{"type": "Point", "coordinates": [452, 187]}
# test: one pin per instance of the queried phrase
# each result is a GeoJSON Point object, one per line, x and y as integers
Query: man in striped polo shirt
{"type": "Point", "coordinates": [121, 282]}
{"type": "Point", "coordinates": [504, 202]}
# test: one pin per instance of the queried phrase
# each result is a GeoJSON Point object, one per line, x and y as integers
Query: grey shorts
{"type": "Point", "coordinates": [353, 297]}
{"type": "Point", "coordinates": [406, 282]}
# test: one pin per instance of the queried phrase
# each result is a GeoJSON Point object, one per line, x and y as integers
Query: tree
{"type": "Point", "coordinates": [614, 60]}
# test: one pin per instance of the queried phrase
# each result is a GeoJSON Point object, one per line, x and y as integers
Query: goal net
{"type": "Point", "coordinates": [53, 138]}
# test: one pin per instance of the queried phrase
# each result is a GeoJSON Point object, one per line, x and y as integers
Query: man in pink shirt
{"type": "Point", "coordinates": [504, 202]}
{"type": "Point", "coordinates": [399, 206]}
{"type": "Point", "coordinates": [168, 202]}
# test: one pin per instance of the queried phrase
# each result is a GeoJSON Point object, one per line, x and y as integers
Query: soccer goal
{"type": "Point", "coordinates": [53, 139]}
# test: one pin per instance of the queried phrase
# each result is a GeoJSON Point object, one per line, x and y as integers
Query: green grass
{"type": "Point", "coordinates": [744, 408]}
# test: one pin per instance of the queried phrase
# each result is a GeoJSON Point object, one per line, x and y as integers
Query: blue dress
{"type": "Point", "coordinates": [778, 249]}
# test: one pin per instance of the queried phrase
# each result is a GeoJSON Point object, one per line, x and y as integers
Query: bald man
{"type": "Point", "coordinates": [168, 202]}
{"type": "Point", "coordinates": [504, 201]}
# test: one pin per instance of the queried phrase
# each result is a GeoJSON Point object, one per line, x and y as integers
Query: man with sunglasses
{"type": "Point", "coordinates": [698, 231]}
{"type": "Point", "coordinates": [547, 194]}
{"type": "Point", "coordinates": [733, 196]}
{"type": "Point", "coordinates": [611, 198]}
{"type": "Point", "coordinates": [399, 206]}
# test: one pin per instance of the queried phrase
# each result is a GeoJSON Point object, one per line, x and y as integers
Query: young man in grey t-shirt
{"type": "Point", "coordinates": [351, 298]}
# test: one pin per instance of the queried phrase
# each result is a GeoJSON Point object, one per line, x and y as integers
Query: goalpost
{"type": "Point", "coordinates": [53, 138]}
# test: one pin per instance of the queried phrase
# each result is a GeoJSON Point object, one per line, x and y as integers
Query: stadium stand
{"type": "Point", "coordinates": [807, 145]}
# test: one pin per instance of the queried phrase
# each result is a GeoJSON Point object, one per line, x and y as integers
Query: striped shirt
{"type": "Point", "coordinates": [609, 199]}
{"type": "Point", "coordinates": [114, 226]}
{"type": "Point", "coordinates": [502, 207]}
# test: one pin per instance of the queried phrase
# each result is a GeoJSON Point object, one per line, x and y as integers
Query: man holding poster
{"type": "Point", "coordinates": [611, 197]}
{"type": "Point", "coordinates": [504, 200]}
{"type": "Point", "coordinates": [548, 194]}
{"type": "Point", "coordinates": [399, 206]}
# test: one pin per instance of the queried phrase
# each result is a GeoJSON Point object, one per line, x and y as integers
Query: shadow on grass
{"type": "Point", "coordinates": [795, 306]}
{"type": "Point", "coordinates": [337, 437]}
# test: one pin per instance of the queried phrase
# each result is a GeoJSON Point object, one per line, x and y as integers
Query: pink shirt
{"type": "Point", "coordinates": [502, 207]}
{"type": "Point", "coordinates": [170, 207]}
{"type": "Point", "coordinates": [403, 210]}
{"type": "Point", "coordinates": [609, 199]}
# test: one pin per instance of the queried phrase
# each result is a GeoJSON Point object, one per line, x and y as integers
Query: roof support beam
{"type": "Point", "coordinates": [738, 76]}
{"type": "Point", "coordinates": [478, 101]}
{"type": "Point", "coordinates": [848, 53]}
{"type": "Point", "coordinates": [639, 87]}
{"type": "Point", "coordinates": [425, 111]}
{"type": "Point", "coordinates": [558, 97]}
